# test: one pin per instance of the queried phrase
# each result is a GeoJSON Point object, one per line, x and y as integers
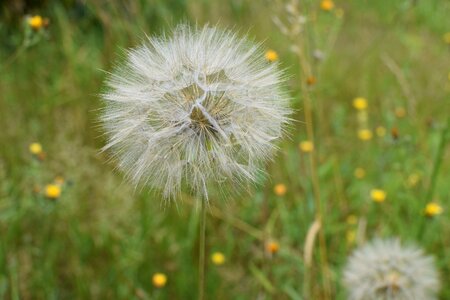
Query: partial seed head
{"type": "Point", "coordinates": [386, 270]}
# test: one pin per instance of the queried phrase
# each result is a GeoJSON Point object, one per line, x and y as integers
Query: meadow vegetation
{"type": "Point", "coordinates": [369, 146]}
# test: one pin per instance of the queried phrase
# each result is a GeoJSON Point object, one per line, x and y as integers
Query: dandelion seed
{"type": "Point", "coordinates": [52, 191]}
{"type": "Point", "coordinates": [318, 55]}
{"type": "Point", "coordinates": [359, 173]}
{"type": "Point", "coordinates": [218, 258]}
{"type": "Point", "coordinates": [360, 103]}
{"type": "Point", "coordinates": [280, 189]}
{"type": "Point", "coordinates": [35, 148]}
{"type": "Point", "coordinates": [272, 247]}
{"type": "Point", "coordinates": [271, 55]}
{"type": "Point", "coordinates": [327, 5]}
{"type": "Point", "coordinates": [197, 107]}
{"type": "Point", "coordinates": [433, 209]}
{"type": "Point", "coordinates": [365, 134]}
{"type": "Point", "coordinates": [306, 146]}
{"type": "Point", "coordinates": [384, 269]}
{"type": "Point", "coordinates": [378, 195]}
{"type": "Point", "coordinates": [159, 280]}
{"type": "Point", "coordinates": [36, 22]}
{"type": "Point", "coordinates": [381, 131]}
{"type": "Point", "coordinates": [400, 112]}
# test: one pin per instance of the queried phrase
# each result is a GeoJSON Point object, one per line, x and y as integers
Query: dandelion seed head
{"type": "Point", "coordinates": [384, 269]}
{"type": "Point", "coordinates": [197, 106]}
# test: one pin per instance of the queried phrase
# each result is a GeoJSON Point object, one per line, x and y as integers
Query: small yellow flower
{"type": "Point", "coordinates": [359, 173]}
{"type": "Point", "coordinates": [327, 5]}
{"type": "Point", "coordinates": [271, 55]}
{"type": "Point", "coordinates": [311, 80]}
{"type": "Point", "coordinates": [400, 112]}
{"type": "Point", "coordinates": [35, 22]}
{"type": "Point", "coordinates": [351, 236]}
{"type": "Point", "coordinates": [35, 148]}
{"type": "Point", "coordinates": [52, 191]}
{"type": "Point", "coordinates": [365, 134]}
{"type": "Point", "coordinates": [446, 38]}
{"type": "Point", "coordinates": [218, 258]}
{"type": "Point", "coordinates": [378, 195]}
{"type": "Point", "coordinates": [272, 247]}
{"type": "Point", "coordinates": [306, 146]}
{"type": "Point", "coordinates": [159, 280]}
{"type": "Point", "coordinates": [352, 219]}
{"type": "Point", "coordinates": [360, 103]}
{"type": "Point", "coordinates": [432, 209]}
{"type": "Point", "coordinates": [280, 189]}
{"type": "Point", "coordinates": [381, 131]}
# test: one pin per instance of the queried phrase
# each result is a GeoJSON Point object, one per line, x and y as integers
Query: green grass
{"type": "Point", "coordinates": [102, 239]}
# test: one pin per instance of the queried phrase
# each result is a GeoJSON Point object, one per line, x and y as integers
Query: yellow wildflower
{"type": "Point", "coordinates": [359, 173]}
{"type": "Point", "coordinates": [36, 22]}
{"type": "Point", "coordinates": [306, 146]}
{"type": "Point", "coordinates": [52, 191]}
{"type": "Point", "coordinates": [446, 38]}
{"type": "Point", "coordinates": [218, 258]}
{"type": "Point", "coordinates": [280, 189]}
{"type": "Point", "coordinates": [351, 236]}
{"type": "Point", "coordinates": [378, 195]}
{"type": "Point", "coordinates": [272, 247]}
{"type": "Point", "coordinates": [35, 148]}
{"type": "Point", "coordinates": [311, 80]}
{"type": "Point", "coordinates": [159, 280]}
{"type": "Point", "coordinates": [432, 209]}
{"type": "Point", "coordinates": [360, 103]}
{"type": "Point", "coordinates": [327, 5]}
{"type": "Point", "coordinates": [365, 134]}
{"type": "Point", "coordinates": [381, 131]}
{"type": "Point", "coordinates": [400, 112]}
{"type": "Point", "coordinates": [271, 55]}
{"type": "Point", "coordinates": [352, 219]}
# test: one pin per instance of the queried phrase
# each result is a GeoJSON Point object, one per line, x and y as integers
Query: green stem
{"type": "Point", "coordinates": [437, 162]}
{"type": "Point", "coordinates": [201, 266]}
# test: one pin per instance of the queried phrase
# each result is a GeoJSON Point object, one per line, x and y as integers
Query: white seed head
{"type": "Point", "coordinates": [197, 107]}
{"type": "Point", "coordinates": [385, 270]}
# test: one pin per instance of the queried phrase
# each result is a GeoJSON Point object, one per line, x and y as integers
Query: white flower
{"type": "Point", "coordinates": [197, 107]}
{"type": "Point", "coordinates": [385, 270]}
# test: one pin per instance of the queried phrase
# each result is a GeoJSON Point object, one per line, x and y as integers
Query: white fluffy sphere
{"type": "Point", "coordinates": [199, 106]}
{"type": "Point", "coordinates": [385, 270]}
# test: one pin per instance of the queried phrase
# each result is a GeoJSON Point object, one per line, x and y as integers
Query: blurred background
{"type": "Point", "coordinates": [370, 79]}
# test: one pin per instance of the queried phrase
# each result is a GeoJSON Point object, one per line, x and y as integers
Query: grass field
{"type": "Point", "coordinates": [103, 239]}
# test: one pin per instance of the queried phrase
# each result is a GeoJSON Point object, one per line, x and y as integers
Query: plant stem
{"type": "Point", "coordinates": [437, 162]}
{"type": "Point", "coordinates": [201, 265]}
{"type": "Point", "coordinates": [305, 72]}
